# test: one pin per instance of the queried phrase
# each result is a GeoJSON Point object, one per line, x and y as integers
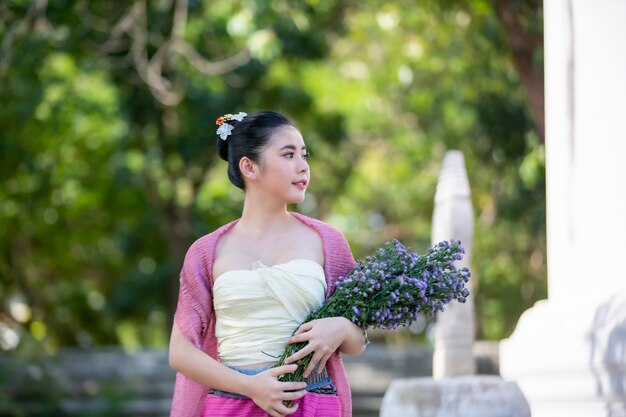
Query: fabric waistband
{"type": "Point", "coordinates": [314, 381]}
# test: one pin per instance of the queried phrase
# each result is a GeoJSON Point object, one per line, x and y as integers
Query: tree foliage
{"type": "Point", "coordinates": [107, 148]}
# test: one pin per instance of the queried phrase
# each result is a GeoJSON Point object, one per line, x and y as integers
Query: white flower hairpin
{"type": "Point", "coordinates": [224, 128]}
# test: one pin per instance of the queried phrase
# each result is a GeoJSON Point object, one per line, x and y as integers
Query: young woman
{"type": "Point", "coordinates": [245, 288]}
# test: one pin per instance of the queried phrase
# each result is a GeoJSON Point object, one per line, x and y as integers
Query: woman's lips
{"type": "Point", "coordinates": [300, 184]}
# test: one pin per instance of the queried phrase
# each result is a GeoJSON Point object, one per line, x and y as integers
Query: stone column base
{"type": "Point", "coordinates": [570, 361]}
{"type": "Point", "coordinates": [464, 396]}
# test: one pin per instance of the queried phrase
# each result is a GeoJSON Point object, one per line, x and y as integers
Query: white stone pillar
{"type": "Point", "coordinates": [455, 391]}
{"type": "Point", "coordinates": [463, 396]}
{"type": "Point", "coordinates": [453, 218]}
{"type": "Point", "coordinates": [568, 353]}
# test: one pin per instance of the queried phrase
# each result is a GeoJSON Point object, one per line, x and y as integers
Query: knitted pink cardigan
{"type": "Point", "coordinates": [196, 320]}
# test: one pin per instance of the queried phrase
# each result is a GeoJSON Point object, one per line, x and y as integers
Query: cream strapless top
{"type": "Point", "coordinates": [257, 310]}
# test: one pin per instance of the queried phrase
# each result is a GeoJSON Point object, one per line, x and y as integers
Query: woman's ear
{"type": "Point", "coordinates": [248, 168]}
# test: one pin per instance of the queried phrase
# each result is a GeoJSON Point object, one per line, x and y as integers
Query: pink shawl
{"type": "Point", "coordinates": [195, 316]}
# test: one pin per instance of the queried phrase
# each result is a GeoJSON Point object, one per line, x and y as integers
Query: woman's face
{"type": "Point", "coordinates": [284, 170]}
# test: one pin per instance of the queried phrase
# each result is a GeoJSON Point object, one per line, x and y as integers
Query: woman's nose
{"type": "Point", "coordinates": [303, 165]}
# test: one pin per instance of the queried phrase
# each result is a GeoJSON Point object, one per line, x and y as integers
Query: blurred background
{"type": "Point", "coordinates": [109, 171]}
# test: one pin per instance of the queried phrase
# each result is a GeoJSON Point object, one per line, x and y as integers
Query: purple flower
{"type": "Point", "coordinates": [394, 286]}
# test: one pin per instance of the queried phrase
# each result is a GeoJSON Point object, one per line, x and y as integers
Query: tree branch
{"type": "Point", "coordinates": [150, 69]}
{"type": "Point", "coordinates": [34, 18]}
{"type": "Point", "coordinates": [523, 46]}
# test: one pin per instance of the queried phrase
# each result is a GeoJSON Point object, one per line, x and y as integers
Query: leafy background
{"type": "Point", "coordinates": [107, 154]}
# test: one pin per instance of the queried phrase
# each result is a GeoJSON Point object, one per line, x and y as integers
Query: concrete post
{"type": "Point", "coordinates": [568, 353]}
{"type": "Point", "coordinates": [453, 218]}
{"type": "Point", "coordinates": [455, 391]}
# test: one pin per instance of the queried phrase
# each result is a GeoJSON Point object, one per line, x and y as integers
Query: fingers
{"type": "Point", "coordinates": [274, 413]}
{"type": "Point", "coordinates": [272, 392]}
{"type": "Point", "coordinates": [323, 363]}
{"type": "Point", "coordinates": [302, 353]}
{"type": "Point", "coordinates": [285, 369]}
{"type": "Point", "coordinates": [282, 410]}
{"type": "Point", "coordinates": [294, 395]}
{"type": "Point", "coordinates": [299, 337]}
{"type": "Point", "coordinates": [316, 358]}
{"type": "Point", "coordinates": [304, 327]}
{"type": "Point", "coordinates": [299, 354]}
{"type": "Point", "coordinates": [279, 407]}
{"type": "Point", "coordinates": [293, 386]}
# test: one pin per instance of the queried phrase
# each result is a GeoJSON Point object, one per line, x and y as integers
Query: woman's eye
{"type": "Point", "coordinates": [291, 154]}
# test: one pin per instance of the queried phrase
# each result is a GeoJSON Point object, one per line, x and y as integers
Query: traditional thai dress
{"type": "Point", "coordinates": [216, 316]}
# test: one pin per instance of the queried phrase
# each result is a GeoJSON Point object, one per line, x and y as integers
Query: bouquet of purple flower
{"type": "Point", "coordinates": [390, 289]}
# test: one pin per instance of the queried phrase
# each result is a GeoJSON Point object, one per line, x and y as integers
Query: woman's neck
{"type": "Point", "coordinates": [258, 218]}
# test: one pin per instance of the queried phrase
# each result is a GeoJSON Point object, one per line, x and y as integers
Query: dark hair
{"type": "Point", "coordinates": [248, 138]}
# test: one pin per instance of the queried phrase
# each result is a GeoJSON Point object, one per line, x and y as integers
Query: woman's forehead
{"type": "Point", "coordinates": [287, 135]}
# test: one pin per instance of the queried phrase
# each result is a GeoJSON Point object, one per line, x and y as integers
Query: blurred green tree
{"type": "Point", "coordinates": [108, 137]}
{"type": "Point", "coordinates": [107, 149]}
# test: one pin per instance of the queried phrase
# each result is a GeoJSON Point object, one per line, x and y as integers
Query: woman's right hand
{"type": "Point", "coordinates": [269, 393]}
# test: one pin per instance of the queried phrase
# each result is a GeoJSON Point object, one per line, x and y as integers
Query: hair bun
{"type": "Point", "coordinates": [226, 125]}
{"type": "Point", "coordinates": [222, 148]}
{"type": "Point", "coordinates": [239, 135]}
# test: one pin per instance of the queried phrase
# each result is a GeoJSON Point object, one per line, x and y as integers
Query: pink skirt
{"type": "Point", "coordinates": [311, 405]}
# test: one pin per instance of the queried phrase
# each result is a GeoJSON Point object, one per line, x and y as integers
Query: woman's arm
{"type": "Point", "coordinates": [193, 311]}
{"type": "Point", "coordinates": [200, 367]}
{"type": "Point", "coordinates": [354, 341]}
{"type": "Point", "coordinates": [263, 388]}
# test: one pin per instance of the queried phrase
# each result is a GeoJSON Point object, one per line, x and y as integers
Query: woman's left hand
{"type": "Point", "coordinates": [324, 337]}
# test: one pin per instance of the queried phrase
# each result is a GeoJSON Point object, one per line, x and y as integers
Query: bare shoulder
{"type": "Point", "coordinates": [308, 242]}
{"type": "Point", "coordinates": [229, 253]}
